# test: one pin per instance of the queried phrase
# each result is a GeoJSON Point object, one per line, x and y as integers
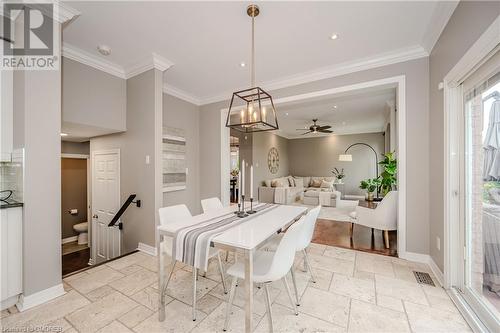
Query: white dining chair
{"type": "Point", "coordinates": [303, 242]}
{"type": "Point", "coordinates": [211, 204]}
{"type": "Point", "coordinates": [383, 217]}
{"type": "Point", "coordinates": [268, 267]}
{"type": "Point", "coordinates": [174, 214]}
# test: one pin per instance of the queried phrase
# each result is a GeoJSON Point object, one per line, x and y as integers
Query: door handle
{"type": "Point", "coordinates": [95, 216]}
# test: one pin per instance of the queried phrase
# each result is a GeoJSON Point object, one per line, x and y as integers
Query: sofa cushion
{"type": "Point", "coordinates": [267, 182]}
{"type": "Point", "coordinates": [291, 181]}
{"type": "Point", "coordinates": [280, 182]}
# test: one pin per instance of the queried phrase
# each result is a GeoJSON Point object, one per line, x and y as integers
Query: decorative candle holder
{"type": "Point", "coordinates": [242, 212]}
{"type": "Point", "coordinates": [251, 211]}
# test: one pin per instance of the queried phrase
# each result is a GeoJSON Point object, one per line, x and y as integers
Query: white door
{"type": "Point", "coordinates": [106, 242]}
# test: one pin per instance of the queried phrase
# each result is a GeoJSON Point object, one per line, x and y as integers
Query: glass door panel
{"type": "Point", "coordinates": [481, 182]}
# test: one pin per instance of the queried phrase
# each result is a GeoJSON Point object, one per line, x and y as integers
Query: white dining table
{"type": "Point", "coordinates": [244, 238]}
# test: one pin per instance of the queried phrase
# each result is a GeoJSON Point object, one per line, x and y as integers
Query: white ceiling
{"type": "Point", "coordinates": [361, 111]}
{"type": "Point", "coordinates": [206, 41]}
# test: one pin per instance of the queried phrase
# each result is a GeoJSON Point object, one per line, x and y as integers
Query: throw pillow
{"type": "Point", "coordinates": [291, 181]}
{"type": "Point", "coordinates": [326, 184]}
{"type": "Point", "coordinates": [299, 182]}
{"type": "Point", "coordinates": [276, 183]}
{"type": "Point", "coordinates": [267, 183]}
{"type": "Point", "coordinates": [315, 182]}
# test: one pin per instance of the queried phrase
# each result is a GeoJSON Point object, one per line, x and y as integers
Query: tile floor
{"type": "Point", "coordinates": [354, 292]}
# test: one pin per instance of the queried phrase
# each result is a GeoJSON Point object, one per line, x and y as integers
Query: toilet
{"type": "Point", "coordinates": [82, 230]}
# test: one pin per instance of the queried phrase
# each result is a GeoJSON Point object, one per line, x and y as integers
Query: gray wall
{"type": "Point", "coordinates": [318, 156]}
{"type": "Point", "coordinates": [181, 114]}
{"type": "Point", "coordinates": [135, 144]}
{"type": "Point", "coordinates": [262, 143]}
{"type": "Point", "coordinates": [417, 107]}
{"type": "Point", "coordinates": [82, 148]}
{"type": "Point", "coordinates": [465, 26]}
{"type": "Point", "coordinates": [92, 97]}
{"type": "Point", "coordinates": [37, 130]}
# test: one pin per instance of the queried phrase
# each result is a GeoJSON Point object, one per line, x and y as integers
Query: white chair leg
{"type": "Point", "coordinates": [221, 271]}
{"type": "Point", "coordinates": [295, 286]}
{"type": "Point", "coordinates": [195, 276]}
{"type": "Point", "coordinates": [268, 306]}
{"type": "Point", "coordinates": [308, 264]}
{"type": "Point", "coordinates": [232, 293]}
{"type": "Point", "coordinates": [287, 287]}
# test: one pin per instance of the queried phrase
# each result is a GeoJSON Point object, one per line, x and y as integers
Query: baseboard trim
{"type": "Point", "coordinates": [7, 303]}
{"type": "Point", "coordinates": [151, 250]}
{"type": "Point", "coordinates": [425, 259]}
{"type": "Point", "coordinates": [69, 239]}
{"type": "Point", "coordinates": [27, 302]}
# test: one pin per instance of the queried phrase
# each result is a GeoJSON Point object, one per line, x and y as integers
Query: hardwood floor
{"type": "Point", "coordinates": [335, 233]}
{"type": "Point", "coordinates": [75, 261]}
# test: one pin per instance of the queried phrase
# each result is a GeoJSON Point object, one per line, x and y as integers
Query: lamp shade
{"type": "Point", "coordinates": [252, 110]}
{"type": "Point", "coordinates": [345, 157]}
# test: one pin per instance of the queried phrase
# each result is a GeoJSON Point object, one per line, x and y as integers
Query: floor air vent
{"type": "Point", "coordinates": [423, 278]}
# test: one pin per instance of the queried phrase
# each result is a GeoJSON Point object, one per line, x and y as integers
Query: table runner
{"type": "Point", "coordinates": [191, 244]}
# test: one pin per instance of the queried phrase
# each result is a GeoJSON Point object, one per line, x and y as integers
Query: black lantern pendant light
{"type": "Point", "coordinates": [252, 110]}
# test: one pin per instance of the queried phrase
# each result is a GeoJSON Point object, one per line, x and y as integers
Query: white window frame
{"type": "Point", "coordinates": [454, 200]}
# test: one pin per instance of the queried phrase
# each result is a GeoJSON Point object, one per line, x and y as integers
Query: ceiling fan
{"type": "Point", "coordinates": [314, 128]}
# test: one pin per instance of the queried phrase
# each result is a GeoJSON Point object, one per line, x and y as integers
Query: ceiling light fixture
{"type": "Point", "coordinates": [335, 106]}
{"type": "Point", "coordinates": [334, 36]}
{"type": "Point", "coordinates": [64, 134]}
{"type": "Point", "coordinates": [242, 64]}
{"type": "Point", "coordinates": [286, 114]}
{"type": "Point", "coordinates": [252, 109]}
{"type": "Point", "coordinates": [104, 50]}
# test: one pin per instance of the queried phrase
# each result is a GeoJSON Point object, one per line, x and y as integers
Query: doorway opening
{"type": "Point", "coordinates": [76, 240]}
{"type": "Point", "coordinates": [266, 170]}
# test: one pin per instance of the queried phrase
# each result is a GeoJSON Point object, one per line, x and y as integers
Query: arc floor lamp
{"type": "Point", "coordinates": [345, 157]}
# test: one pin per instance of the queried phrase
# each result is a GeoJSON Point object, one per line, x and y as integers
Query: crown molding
{"type": "Point", "coordinates": [173, 91]}
{"type": "Point", "coordinates": [71, 52]}
{"type": "Point", "coordinates": [439, 19]}
{"type": "Point", "coordinates": [411, 53]}
{"type": "Point", "coordinates": [65, 12]}
{"type": "Point", "coordinates": [155, 61]}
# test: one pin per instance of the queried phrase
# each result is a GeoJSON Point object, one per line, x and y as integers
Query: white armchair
{"type": "Point", "coordinates": [384, 217]}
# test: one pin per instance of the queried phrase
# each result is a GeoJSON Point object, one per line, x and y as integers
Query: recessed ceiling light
{"type": "Point", "coordinates": [104, 50]}
{"type": "Point", "coordinates": [334, 36]}
{"type": "Point", "coordinates": [64, 134]}
{"type": "Point", "coordinates": [286, 114]}
{"type": "Point", "coordinates": [242, 64]}
{"type": "Point", "coordinates": [335, 106]}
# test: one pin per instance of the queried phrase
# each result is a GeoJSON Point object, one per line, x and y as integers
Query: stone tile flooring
{"type": "Point", "coordinates": [354, 292]}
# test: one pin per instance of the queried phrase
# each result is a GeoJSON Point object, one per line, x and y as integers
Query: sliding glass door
{"type": "Point", "coordinates": [480, 186]}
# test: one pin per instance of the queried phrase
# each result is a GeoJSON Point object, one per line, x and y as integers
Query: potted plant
{"type": "Point", "coordinates": [235, 172]}
{"type": "Point", "coordinates": [338, 174]}
{"type": "Point", "coordinates": [370, 185]}
{"type": "Point", "coordinates": [389, 176]}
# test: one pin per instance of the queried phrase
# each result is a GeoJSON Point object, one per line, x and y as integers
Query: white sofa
{"type": "Point", "coordinates": [290, 189]}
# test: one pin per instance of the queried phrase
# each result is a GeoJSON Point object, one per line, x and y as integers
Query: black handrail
{"type": "Point", "coordinates": [122, 210]}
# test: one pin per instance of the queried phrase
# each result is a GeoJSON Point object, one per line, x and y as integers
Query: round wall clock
{"type": "Point", "coordinates": [273, 160]}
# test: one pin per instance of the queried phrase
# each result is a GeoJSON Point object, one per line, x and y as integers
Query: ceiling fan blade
{"type": "Point", "coordinates": [325, 131]}
{"type": "Point", "coordinates": [302, 129]}
{"type": "Point", "coordinates": [324, 127]}
{"type": "Point", "coordinates": [306, 132]}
